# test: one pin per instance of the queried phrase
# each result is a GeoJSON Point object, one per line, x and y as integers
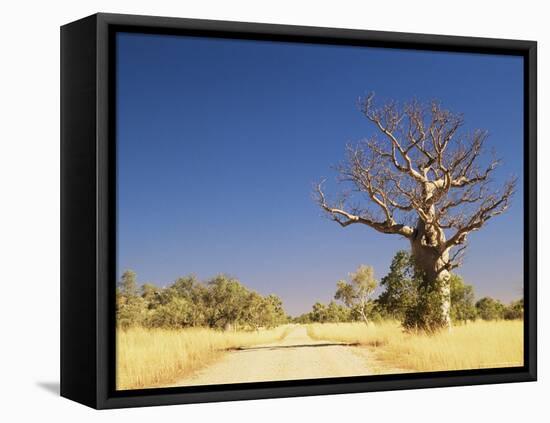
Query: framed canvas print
{"type": "Point", "coordinates": [256, 211]}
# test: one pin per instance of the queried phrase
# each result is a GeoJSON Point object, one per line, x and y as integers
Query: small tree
{"type": "Point", "coordinates": [514, 310]}
{"type": "Point", "coordinates": [227, 299]}
{"type": "Point", "coordinates": [319, 313]}
{"type": "Point", "coordinates": [275, 313]}
{"type": "Point", "coordinates": [462, 300]}
{"type": "Point", "coordinates": [357, 294]}
{"type": "Point", "coordinates": [177, 313]}
{"type": "Point", "coordinates": [263, 311]}
{"type": "Point", "coordinates": [130, 307]}
{"type": "Point", "coordinates": [490, 309]}
{"type": "Point", "coordinates": [184, 287]}
{"type": "Point", "coordinates": [338, 313]}
{"type": "Point", "coordinates": [128, 285]}
{"type": "Point", "coordinates": [400, 286]}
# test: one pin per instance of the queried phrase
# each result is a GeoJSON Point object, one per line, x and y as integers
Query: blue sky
{"type": "Point", "coordinates": [220, 142]}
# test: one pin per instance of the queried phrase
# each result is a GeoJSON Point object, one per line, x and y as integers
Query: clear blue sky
{"type": "Point", "coordinates": [219, 143]}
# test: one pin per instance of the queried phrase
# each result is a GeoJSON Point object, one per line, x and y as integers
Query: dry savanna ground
{"type": "Point", "coordinates": [149, 358]}
{"type": "Point", "coordinates": [159, 357]}
{"type": "Point", "coordinates": [475, 345]}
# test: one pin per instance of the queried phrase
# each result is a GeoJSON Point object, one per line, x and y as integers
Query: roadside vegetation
{"type": "Point", "coordinates": [484, 333]}
{"type": "Point", "coordinates": [474, 345]}
{"type": "Point", "coordinates": [163, 334]}
{"type": "Point", "coordinates": [219, 303]}
{"type": "Point", "coordinates": [147, 358]}
{"type": "Point", "coordinates": [402, 299]}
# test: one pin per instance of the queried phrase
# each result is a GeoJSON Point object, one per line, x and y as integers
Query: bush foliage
{"type": "Point", "coordinates": [222, 302]}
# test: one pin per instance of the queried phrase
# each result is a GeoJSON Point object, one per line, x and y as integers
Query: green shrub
{"type": "Point", "coordinates": [514, 310]}
{"type": "Point", "coordinates": [490, 309]}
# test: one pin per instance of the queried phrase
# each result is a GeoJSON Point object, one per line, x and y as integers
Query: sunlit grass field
{"type": "Point", "coordinates": [148, 358]}
{"type": "Point", "coordinates": [475, 345]}
{"type": "Point", "coordinates": [152, 357]}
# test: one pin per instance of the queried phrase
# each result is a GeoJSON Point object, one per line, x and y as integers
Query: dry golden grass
{"type": "Point", "coordinates": [473, 345]}
{"type": "Point", "coordinates": [153, 357]}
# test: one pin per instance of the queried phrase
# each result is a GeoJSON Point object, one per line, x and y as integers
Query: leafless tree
{"type": "Point", "coordinates": [424, 179]}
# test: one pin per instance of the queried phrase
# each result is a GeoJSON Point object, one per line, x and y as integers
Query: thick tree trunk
{"type": "Point", "coordinates": [430, 262]}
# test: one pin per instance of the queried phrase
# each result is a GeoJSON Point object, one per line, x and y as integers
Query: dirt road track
{"type": "Point", "coordinates": [297, 356]}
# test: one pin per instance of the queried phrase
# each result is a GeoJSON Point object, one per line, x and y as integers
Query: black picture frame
{"type": "Point", "coordinates": [88, 220]}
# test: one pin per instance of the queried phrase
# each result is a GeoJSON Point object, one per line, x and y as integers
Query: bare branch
{"type": "Point", "coordinates": [491, 206]}
{"type": "Point", "coordinates": [456, 259]}
{"type": "Point", "coordinates": [345, 218]}
{"type": "Point", "coordinates": [387, 121]}
{"type": "Point", "coordinates": [477, 177]}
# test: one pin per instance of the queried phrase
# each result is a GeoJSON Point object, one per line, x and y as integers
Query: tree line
{"type": "Point", "coordinates": [221, 303]}
{"type": "Point", "coordinates": [405, 298]}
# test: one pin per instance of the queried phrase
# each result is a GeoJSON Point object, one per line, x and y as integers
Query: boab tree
{"type": "Point", "coordinates": [424, 179]}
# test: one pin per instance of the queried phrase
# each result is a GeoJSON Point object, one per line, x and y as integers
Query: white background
{"type": "Point", "coordinates": [29, 209]}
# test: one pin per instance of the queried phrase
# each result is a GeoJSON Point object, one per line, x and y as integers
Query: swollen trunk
{"type": "Point", "coordinates": [430, 263]}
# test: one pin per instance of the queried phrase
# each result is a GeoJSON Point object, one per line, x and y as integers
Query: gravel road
{"type": "Point", "coordinates": [297, 356]}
